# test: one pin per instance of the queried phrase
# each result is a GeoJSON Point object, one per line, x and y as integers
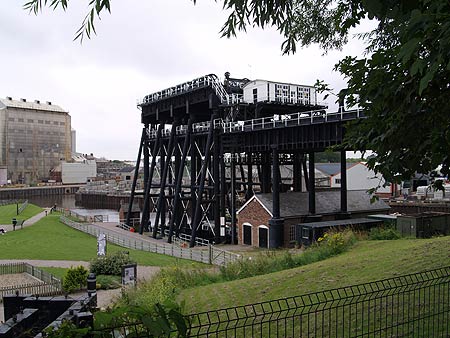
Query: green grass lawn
{"type": "Point", "coordinates": [366, 261]}
{"type": "Point", "coordinates": [57, 272]}
{"type": "Point", "coordinates": [8, 212]}
{"type": "Point", "coordinates": [49, 239]}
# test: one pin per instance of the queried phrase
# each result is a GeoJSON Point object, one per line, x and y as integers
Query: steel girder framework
{"type": "Point", "coordinates": [205, 153]}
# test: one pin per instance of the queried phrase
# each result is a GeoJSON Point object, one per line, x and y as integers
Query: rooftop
{"type": "Point", "coordinates": [332, 169]}
{"type": "Point", "coordinates": [8, 102]}
{"type": "Point", "coordinates": [294, 204]}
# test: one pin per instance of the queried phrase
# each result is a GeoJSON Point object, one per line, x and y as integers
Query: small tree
{"type": "Point", "coordinates": [75, 279]}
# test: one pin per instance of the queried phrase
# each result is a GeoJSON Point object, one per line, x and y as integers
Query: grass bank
{"type": "Point", "coordinates": [49, 239]}
{"type": "Point", "coordinates": [8, 212]}
{"type": "Point", "coordinates": [366, 261]}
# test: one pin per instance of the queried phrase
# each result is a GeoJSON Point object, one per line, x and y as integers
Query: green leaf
{"type": "Point", "coordinates": [427, 78]}
{"type": "Point", "coordinates": [417, 67]}
{"type": "Point", "coordinates": [408, 49]}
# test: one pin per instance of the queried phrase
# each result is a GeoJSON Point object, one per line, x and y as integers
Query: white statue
{"type": "Point", "coordinates": [101, 245]}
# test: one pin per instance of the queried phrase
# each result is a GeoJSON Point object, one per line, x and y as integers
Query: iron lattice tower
{"type": "Point", "coordinates": [207, 146]}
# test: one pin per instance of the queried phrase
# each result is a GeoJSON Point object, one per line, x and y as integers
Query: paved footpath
{"type": "Point", "coordinates": [28, 222]}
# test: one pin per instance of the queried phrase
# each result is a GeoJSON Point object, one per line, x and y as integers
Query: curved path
{"type": "Point", "coordinates": [29, 221]}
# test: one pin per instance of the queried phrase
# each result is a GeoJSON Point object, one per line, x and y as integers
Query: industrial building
{"type": "Point", "coordinates": [34, 138]}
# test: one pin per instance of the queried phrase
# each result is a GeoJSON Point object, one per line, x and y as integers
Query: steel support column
{"type": "Point", "coordinates": [265, 173]}
{"type": "Point", "coordinates": [276, 223]}
{"type": "Point", "coordinates": [146, 208]}
{"type": "Point", "coordinates": [197, 217]}
{"type": "Point", "coordinates": [216, 180]}
{"type": "Point", "coordinates": [241, 169]}
{"type": "Point", "coordinates": [249, 191]}
{"type": "Point", "coordinates": [145, 217]}
{"type": "Point", "coordinates": [297, 183]}
{"type": "Point", "coordinates": [223, 186]}
{"type": "Point", "coordinates": [343, 182]}
{"type": "Point", "coordinates": [312, 185]}
{"type": "Point", "coordinates": [136, 174]}
{"type": "Point", "coordinates": [179, 181]}
{"type": "Point", "coordinates": [305, 172]}
{"type": "Point", "coordinates": [233, 199]}
{"type": "Point", "coordinates": [160, 210]}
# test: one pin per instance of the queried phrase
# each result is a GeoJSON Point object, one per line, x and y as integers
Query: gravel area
{"type": "Point", "coordinates": [17, 279]}
{"type": "Point", "coordinates": [13, 280]}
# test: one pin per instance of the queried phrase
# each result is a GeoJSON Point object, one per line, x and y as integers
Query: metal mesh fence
{"type": "Point", "coordinates": [414, 305]}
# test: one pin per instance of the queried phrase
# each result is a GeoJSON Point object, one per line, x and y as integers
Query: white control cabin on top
{"type": "Point", "coordinates": [268, 91]}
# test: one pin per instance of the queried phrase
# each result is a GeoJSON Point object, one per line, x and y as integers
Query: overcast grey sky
{"type": "Point", "coordinates": [142, 47]}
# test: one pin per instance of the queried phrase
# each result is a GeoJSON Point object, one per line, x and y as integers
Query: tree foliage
{"type": "Point", "coordinates": [402, 82]}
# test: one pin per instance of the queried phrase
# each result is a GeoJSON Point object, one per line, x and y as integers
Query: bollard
{"type": "Point", "coordinates": [92, 288]}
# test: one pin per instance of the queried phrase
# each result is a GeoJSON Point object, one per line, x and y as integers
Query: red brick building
{"type": "Point", "coordinates": [253, 216]}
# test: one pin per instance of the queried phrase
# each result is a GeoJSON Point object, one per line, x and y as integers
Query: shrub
{"type": "Point", "coordinates": [106, 282]}
{"type": "Point", "coordinates": [336, 242]}
{"type": "Point", "coordinates": [110, 264]}
{"type": "Point", "coordinates": [75, 279]}
{"type": "Point", "coordinates": [382, 233]}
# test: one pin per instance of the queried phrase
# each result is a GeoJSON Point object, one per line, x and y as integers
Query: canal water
{"type": "Point", "coordinates": [68, 202]}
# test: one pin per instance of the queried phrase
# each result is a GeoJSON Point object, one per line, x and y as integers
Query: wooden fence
{"type": "Point", "coordinates": [46, 284]}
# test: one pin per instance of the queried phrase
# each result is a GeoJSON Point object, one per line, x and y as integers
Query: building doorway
{"type": "Point", "coordinates": [263, 234]}
{"type": "Point", "coordinates": [247, 234]}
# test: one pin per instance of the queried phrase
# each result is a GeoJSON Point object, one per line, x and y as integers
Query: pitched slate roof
{"type": "Point", "coordinates": [331, 169]}
{"type": "Point", "coordinates": [327, 202]}
{"type": "Point", "coordinates": [127, 169]}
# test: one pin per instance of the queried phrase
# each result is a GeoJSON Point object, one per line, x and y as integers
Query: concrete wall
{"type": "Point", "coordinates": [3, 175]}
{"type": "Point", "coordinates": [72, 173]}
{"type": "Point", "coordinates": [33, 141]}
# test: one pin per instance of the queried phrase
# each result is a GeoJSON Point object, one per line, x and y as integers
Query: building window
{"type": "Point", "coordinates": [41, 121]}
{"type": "Point", "coordinates": [337, 181]}
{"type": "Point", "coordinates": [61, 134]}
{"type": "Point", "coordinates": [11, 119]}
{"type": "Point", "coordinates": [20, 120]}
{"type": "Point", "coordinates": [62, 123]}
{"type": "Point", "coordinates": [255, 95]}
{"type": "Point", "coordinates": [47, 122]}
{"type": "Point", "coordinates": [305, 233]}
{"type": "Point", "coordinates": [292, 236]}
{"type": "Point", "coordinates": [55, 123]}
{"type": "Point", "coordinates": [30, 121]}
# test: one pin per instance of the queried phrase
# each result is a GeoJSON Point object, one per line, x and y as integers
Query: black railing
{"type": "Point", "coordinates": [415, 305]}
